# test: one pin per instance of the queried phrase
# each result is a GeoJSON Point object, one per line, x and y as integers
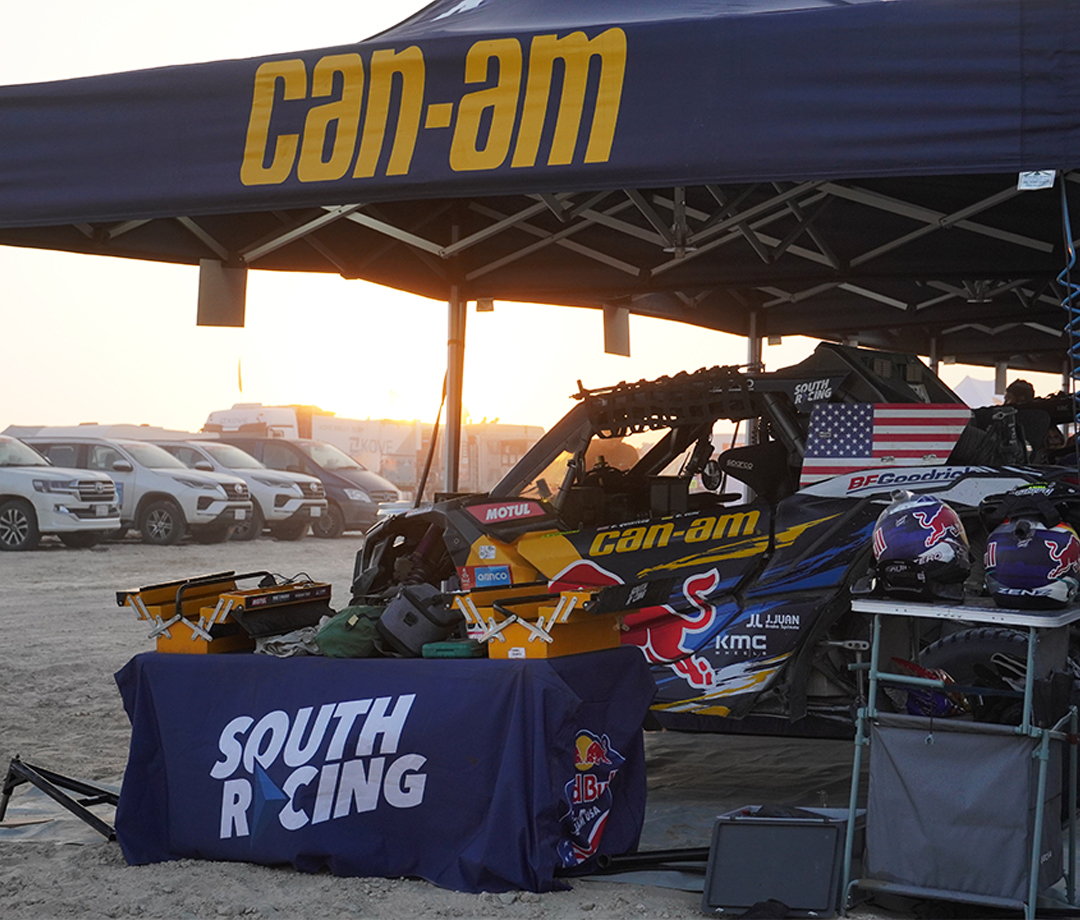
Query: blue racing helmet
{"type": "Point", "coordinates": [1030, 564]}
{"type": "Point", "coordinates": [920, 548]}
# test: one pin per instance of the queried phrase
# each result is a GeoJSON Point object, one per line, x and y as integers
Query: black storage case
{"type": "Point", "coordinates": [417, 616]}
{"type": "Point", "coordinates": [759, 853]}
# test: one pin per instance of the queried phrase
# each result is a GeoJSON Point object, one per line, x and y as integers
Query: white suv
{"type": "Point", "coordinates": [284, 502]}
{"type": "Point", "coordinates": [159, 496]}
{"type": "Point", "coordinates": [38, 498]}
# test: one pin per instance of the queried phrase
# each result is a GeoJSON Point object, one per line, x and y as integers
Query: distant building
{"type": "Point", "coordinates": [397, 450]}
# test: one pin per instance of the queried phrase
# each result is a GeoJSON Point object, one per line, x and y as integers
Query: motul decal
{"type": "Point", "coordinates": [506, 511]}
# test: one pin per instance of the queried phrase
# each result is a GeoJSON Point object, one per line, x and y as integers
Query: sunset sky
{"type": "Point", "coordinates": [89, 338]}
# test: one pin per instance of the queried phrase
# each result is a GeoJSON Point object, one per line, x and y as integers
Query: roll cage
{"type": "Point", "coordinates": [776, 407]}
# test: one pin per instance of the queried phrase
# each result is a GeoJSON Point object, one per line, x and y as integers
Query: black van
{"type": "Point", "coordinates": [353, 493]}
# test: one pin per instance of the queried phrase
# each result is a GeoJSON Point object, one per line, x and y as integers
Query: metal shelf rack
{"type": "Point", "coordinates": [943, 857]}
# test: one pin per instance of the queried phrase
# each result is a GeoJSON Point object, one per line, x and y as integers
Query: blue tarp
{"type": "Point", "coordinates": [501, 97]}
{"type": "Point", "coordinates": [476, 775]}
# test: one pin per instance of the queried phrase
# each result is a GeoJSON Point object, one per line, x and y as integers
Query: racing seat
{"type": "Point", "coordinates": [763, 467]}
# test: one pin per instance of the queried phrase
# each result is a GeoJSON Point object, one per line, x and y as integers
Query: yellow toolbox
{"type": "Point", "coordinates": [519, 624]}
{"type": "Point", "coordinates": [209, 613]}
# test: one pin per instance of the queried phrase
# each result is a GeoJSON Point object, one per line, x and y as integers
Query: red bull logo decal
{"type": "Point", "coordinates": [666, 635]}
{"type": "Point", "coordinates": [1066, 556]}
{"type": "Point", "coordinates": [672, 636]}
{"type": "Point", "coordinates": [589, 751]}
{"type": "Point", "coordinates": [588, 796]}
{"type": "Point", "coordinates": [942, 522]}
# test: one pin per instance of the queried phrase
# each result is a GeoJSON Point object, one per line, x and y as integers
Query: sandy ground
{"type": "Point", "coordinates": [62, 638]}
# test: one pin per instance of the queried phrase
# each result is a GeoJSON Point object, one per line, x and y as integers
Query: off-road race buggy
{"type": "Point", "coordinates": [739, 597]}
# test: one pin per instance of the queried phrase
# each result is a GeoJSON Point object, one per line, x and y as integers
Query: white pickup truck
{"type": "Point", "coordinates": [37, 498]}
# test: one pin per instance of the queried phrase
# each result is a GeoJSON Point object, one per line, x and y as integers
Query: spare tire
{"type": "Point", "coordinates": [958, 653]}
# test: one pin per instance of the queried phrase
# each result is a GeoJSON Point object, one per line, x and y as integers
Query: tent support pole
{"type": "Point", "coordinates": [755, 365]}
{"type": "Point", "coordinates": [753, 344]}
{"type": "Point", "coordinates": [455, 375]}
{"type": "Point", "coordinates": [933, 354]}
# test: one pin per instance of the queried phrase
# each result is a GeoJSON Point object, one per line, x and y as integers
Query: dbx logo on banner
{"type": "Point", "coordinates": [588, 796]}
{"type": "Point", "coordinates": [346, 761]}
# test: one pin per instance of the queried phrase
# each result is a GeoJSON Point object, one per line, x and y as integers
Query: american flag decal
{"type": "Point", "coordinates": [845, 437]}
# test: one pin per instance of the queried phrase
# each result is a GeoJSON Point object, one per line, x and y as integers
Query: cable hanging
{"type": "Point", "coordinates": [1071, 304]}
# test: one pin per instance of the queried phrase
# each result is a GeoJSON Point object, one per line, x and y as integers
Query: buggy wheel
{"type": "Point", "coordinates": [958, 654]}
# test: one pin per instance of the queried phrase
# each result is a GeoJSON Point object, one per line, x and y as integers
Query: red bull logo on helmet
{"type": "Point", "coordinates": [1065, 554]}
{"type": "Point", "coordinates": [939, 521]}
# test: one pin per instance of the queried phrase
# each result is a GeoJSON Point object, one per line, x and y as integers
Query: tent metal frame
{"type": "Point", "coordinates": [668, 235]}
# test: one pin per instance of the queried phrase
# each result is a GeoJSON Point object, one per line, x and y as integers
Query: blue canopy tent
{"type": "Point", "coordinates": [846, 170]}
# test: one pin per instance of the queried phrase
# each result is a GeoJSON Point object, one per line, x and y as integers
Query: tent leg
{"type": "Point", "coordinates": [455, 375]}
{"type": "Point", "coordinates": [1000, 377]}
{"type": "Point", "coordinates": [753, 345]}
{"type": "Point", "coordinates": [755, 365]}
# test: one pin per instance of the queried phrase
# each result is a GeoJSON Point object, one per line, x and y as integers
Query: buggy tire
{"type": "Point", "coordinates": [18, 525]}
{"type": "Point", "coordinates": [959, 654]}
{"type": "Point", "coordinates": [161, 523]}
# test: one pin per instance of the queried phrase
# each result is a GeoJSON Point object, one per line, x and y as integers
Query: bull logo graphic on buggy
{"type": "Point", "coordinates": [666, 634]}
{"type": "Point", "coordinates": [678, 634]}
{"type": "Point", "coordinates": [588, 797]}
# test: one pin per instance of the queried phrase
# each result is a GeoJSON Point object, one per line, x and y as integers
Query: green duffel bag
{"type": "Point", "coordinates": [351, 633]}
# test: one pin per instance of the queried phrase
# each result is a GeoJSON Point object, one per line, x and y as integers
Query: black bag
{"type": "Point", "coordinates": [417, 616]}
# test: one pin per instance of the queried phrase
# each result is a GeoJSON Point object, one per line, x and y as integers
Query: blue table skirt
{"type": "Point", "coordinates": [475, 774]}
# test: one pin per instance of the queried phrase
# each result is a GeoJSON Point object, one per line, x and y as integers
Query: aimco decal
{"type": "Point", "coordinates": [351, 104]}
